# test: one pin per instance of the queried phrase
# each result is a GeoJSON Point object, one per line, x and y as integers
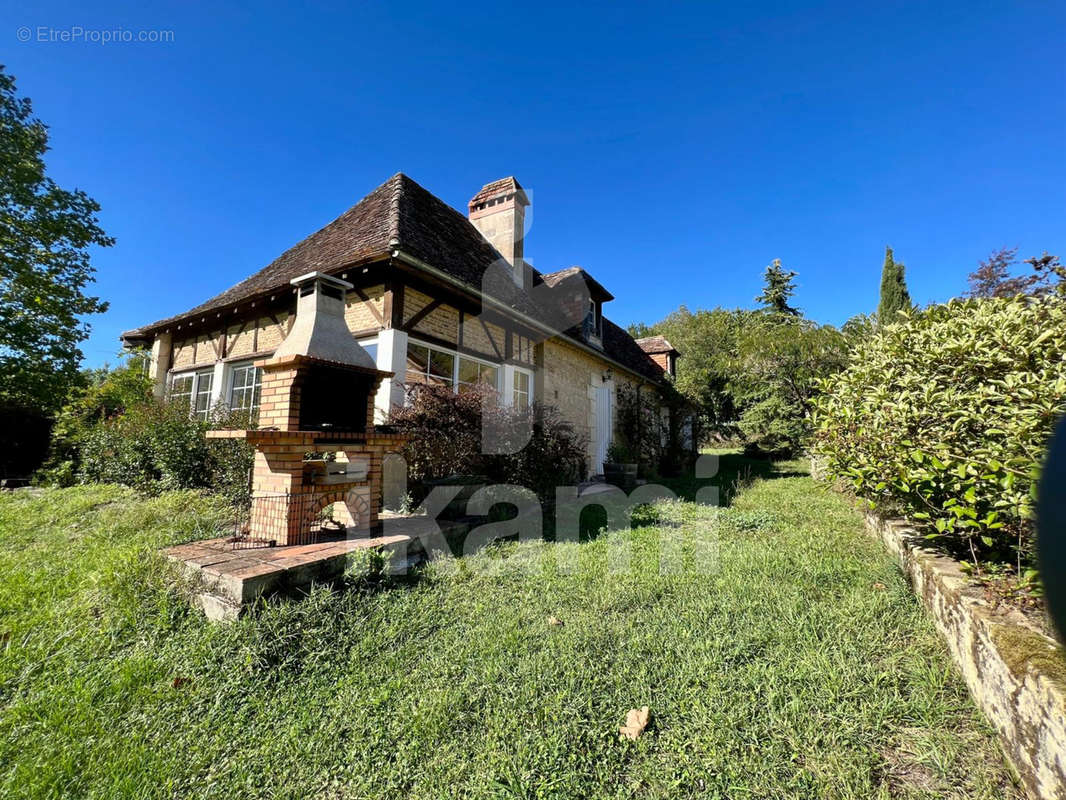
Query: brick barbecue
{"type": "Point", "coordinates": [317, 445]}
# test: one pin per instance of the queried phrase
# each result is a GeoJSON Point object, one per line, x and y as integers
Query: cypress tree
{"type": "Point", "coordinates": [894, 294]}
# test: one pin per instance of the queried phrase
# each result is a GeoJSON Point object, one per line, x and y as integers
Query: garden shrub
{"type": "Point", "coordinates": [445, 431]}
{"type": "Point", "coordinates": [157, 446]}
{"type": "Point", "coordinates": [114, 431]}
{"type": "Point", "coordinates": [945, 416]}
{"type": "Point", "coordinates": [648, 429]}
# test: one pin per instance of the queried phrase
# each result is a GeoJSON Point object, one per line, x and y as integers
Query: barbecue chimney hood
{"type": "Point", "coordinates": [320, 332]}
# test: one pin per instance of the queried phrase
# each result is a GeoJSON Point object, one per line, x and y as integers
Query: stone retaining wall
{"type": "Point", "coordinates": [1016, 674]}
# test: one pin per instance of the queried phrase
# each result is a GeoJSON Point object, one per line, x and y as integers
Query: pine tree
{"type": "Point", "coordinates": [778, 290]}
{"type": "Point", "coordinates": [894, 294]}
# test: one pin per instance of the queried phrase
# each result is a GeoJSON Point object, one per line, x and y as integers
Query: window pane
{"type": "Point", "coordinates": [245, 388]}
{"type": "Point", "coordinates": [488, 375]}
{"type": "Point", "coordinates": [441, 364]}
{"type": "Point", "coordinates": [468, 371]}
{"type": "Point", "coordinates": [202, 404]}
{"type": "Point", "coordinates": [417, 358]}
{"type": "Point", "coordinates": [181, 388]}
{"type": "Point", "coordinates": [521, 381]}
{"type": "Point", "coordinates": [372, 349]}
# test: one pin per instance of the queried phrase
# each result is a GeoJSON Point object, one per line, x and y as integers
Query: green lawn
{"type": "Point", "coordinates": [803, 668]}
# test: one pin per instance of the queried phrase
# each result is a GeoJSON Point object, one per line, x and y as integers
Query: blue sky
{"type": "Point", "coordinates": [671, 150]}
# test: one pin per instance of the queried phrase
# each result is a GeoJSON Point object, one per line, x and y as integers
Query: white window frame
{"type": "Point", "coordinates": [456, 356]}
{"type": "Point", "coordinates": [198, 376]}
{"type": "Point", "coordinates": [510, 385]}
{"type": "Point", "coordinates": [231, 379]}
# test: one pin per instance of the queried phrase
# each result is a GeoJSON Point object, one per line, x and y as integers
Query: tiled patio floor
{"type": "Point", "coordinates": [232, 578]}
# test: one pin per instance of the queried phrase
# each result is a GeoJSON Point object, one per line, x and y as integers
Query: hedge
{"type": "Point", "coordinates": [945, 415]}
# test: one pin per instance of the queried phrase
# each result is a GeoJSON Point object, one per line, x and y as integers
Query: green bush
{"type": "Point", "coordinates": [113, 430]}
{"type": "Point", "coordinates": [157, 446]}
{"type": "Point", "coordinates": [446, 438]}
{"type": "Point", "coordinates": [945, 417]}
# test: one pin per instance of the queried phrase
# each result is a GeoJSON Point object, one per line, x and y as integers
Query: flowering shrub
{"type": "Point", "coordinates": [945, 417]}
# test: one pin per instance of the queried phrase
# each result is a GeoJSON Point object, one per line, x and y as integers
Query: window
{"type": "Point", "coordinates": [427, 365]}
{"type": "Point", "coordinates": [593, 320]}
{"type": "Point", "coordinates": [473, 372]}
{"type": "Point", "coordinates": [245, 384]}
{"type": "Point", "coordinates": [181, 388]}
{"type": "Point", "coordinates": [436, 367]}
{"type": "Point", "coordinates": [202, 399]}
{"type": "Point", "coordinates": [521, 396]}
{"type": "Point", "coordinates": [193, 389]}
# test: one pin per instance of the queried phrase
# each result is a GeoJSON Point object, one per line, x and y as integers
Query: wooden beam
{"type": "Point", "coordinates": [492, 341]}
{"type": "Point", "coordinates": [424, 312]}
{"type": "Point", "coordinates": [363, 296]}
{"type": "Point", "coordinates": [393, 306]}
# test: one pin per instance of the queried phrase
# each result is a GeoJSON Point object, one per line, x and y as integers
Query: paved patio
{"type": "Point", "coordinates": [232, 578]}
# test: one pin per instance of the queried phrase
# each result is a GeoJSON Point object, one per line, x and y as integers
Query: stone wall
{"type": "Point", "coordinates": [570, 377]}
{"type": "Point", "coordinates": [1016, 674]}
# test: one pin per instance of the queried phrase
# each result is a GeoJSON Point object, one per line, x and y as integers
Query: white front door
{"type": "Point", "coordinates": [604, 426]}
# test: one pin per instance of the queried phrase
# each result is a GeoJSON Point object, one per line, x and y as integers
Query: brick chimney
{"type": "Point", "coordinates": [498, 211]}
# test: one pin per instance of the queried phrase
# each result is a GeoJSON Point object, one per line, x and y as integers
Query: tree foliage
{"type": "Point", "coordinates": [780, 363]}
{"type": "Point", "coordinates": [894, 294]}
{"type": "Point", "coordinates": [112, 430]}
{"type": "Point", "coordinates": [446, 429]}
{"type": "Point", "coordinates": [778, 287]}
{"type": "Point", "coordinates": [753, 374]}
{"type": "Point", "coordinates": [945, 417]}
{"type": "Point", "coordinates": [994, 277]}
{"type": "Point", "coordinates": [45, 237]}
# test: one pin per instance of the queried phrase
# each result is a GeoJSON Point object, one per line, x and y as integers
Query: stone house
{"type": "Point", "coordinates": [438, 298]}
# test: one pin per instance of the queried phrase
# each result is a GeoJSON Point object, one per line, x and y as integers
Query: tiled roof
{"type": "Point", "coordinates": [623, 348]}
{"type": "Point", "coordinates": [558, 278]}
{"type": "Point", "coordinates": [402, 215]}
{"type": "Point", "coordinates": [655, 344]}
{"type": "Point", "coordinates": [398, 214]}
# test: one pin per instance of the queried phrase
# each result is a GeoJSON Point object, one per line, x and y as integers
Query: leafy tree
{"type": "Point", "coordinates": [45, 236]}
{"type": "Point", "coordinates": [781, 362]}
{"type": "Point", "coordinates": [778, 290]}
{"type": "Point", "coordinates": [640, 330]}
{"type": "Point", "coordinates": [1050, 274]}
{"type": "Point", "coordinates": [894, 294]}
{"type": "Point", "coordinates": [993, 277]}
{"type": "Point", "coordinates": [706, 340]}
{"type": "Point", "coordinates": [859, 328]}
